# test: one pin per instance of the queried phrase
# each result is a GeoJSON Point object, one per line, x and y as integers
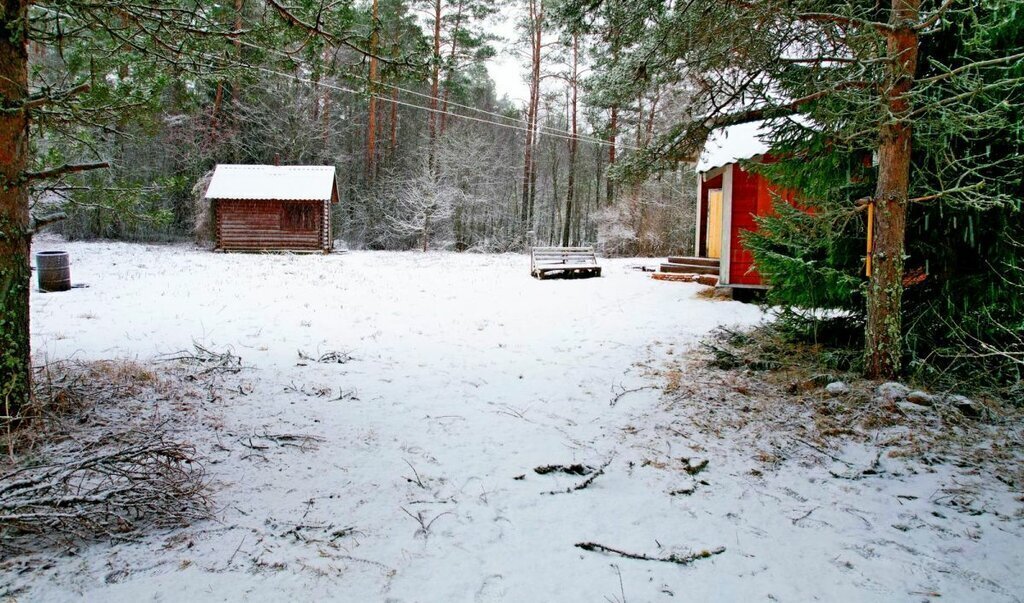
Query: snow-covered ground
{"type": "Point", "coordinates": [418, 482]}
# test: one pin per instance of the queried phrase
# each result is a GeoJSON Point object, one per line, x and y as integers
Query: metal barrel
{"type": "Point", "coordinates": [53, 270]}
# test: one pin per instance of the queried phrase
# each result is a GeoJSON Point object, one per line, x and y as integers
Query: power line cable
{"type": "Point", "coordinates": [558, 133]}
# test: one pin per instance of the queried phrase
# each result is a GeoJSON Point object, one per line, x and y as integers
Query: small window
{"type": "Point", "coordinates": [298, 217]}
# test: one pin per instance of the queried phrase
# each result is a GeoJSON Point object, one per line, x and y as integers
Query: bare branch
{"type": "Point", "coordinates": [976, 65]}
{"type": "Point", "coordinates": [673, 558]}
{"type": "Point", "coordinates": [67, 168]}
{"type": "Point", "coordinates": [38, 224]}
{"type": "Point", "coordinates": [845, 21]}
{"type": "Point", "coordinates": [934, 17]}
{"type": "Point", "coordinates": [38, 100]}
{"type": "Point", "coordinates": [316, 30]}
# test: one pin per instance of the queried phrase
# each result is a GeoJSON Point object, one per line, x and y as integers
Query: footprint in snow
{"type": "Point", "coordinates": [491, 590]}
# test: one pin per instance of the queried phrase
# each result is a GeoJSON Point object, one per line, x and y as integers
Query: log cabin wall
{"type": "Point", "coordinates": [270, 225]}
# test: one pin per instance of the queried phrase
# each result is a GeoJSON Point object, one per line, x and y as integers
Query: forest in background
{"type": "Point", "coordinates": [903, 119]}
{"type": "Point", "coordinates": [428, 156]}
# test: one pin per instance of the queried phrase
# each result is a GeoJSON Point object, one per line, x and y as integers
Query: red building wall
{"type": "Point", "coordinates": [745, 193]}
{"type": "Point", "coordinates": [752, 195]}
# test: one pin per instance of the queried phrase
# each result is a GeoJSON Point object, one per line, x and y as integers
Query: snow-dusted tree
{"type": "Point", "coordinates": [852, 66]}
{"type": "Point", "coordinates": [424, 203]}
{"type": "Point", "coordinates": [95, 68]}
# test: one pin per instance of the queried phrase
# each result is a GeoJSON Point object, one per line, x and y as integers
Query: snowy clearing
{"type": "Point", "coordinates": [446, 380]}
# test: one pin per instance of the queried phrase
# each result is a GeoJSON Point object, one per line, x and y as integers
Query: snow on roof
{"type": "Point", "coordinates": [284, 182]}
{"type": "Point", "coordinates": [732, 144]}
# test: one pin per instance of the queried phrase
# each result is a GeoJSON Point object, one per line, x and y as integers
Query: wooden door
{"type": "Point", "coordinates": [714, 230]}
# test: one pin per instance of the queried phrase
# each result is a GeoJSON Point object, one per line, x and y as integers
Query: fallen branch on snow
{"type": "Point", "coordinates": [421, 518]}
{"type": "Point", "coordinates": [824, 452]}
{"type": "Point", "coordinates": [673, 558]}
{"type": "Point", "coordinates": [328, 358]}
{"type": "Point", "coordinates": [585, 483]}
{"type": "Point", "coordinates": [575, 469]}
{"type": "Point", "coordinates": [623, 392]}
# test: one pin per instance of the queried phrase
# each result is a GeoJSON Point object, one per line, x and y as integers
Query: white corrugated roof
{"type": "Point", "coordinates": [286, 182]}
{"type": "Point", "coordinates": [732, 144]}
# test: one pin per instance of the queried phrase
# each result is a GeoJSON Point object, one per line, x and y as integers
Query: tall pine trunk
{"type": "Point", "coordinates": [573, 145]}
{"type": "Point", "coordinates": [450, 67]}
{"type": "Point", "coordinates": [613, 126]}
{"type": "Point", "coordinates": [435, 76]}
{"type": "Point", "coordinates": [394, 120]}
{"type": "Point", "coordinates": [884, 329]}
{"type": "Point", "coordinates": [15, 348]}
{"type": "Point", "coordinates": [536, 15]}
{"type": "Point", "coordinates": [371, 118]}
{"type": "Point", "coordinates": [218, 97]}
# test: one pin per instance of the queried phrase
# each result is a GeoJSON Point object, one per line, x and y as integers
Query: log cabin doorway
{"type": "Point", "coordinates": [713, 235]}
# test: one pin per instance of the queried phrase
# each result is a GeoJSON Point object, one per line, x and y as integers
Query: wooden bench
{"type": "Point", "coordinates": [565, 262]}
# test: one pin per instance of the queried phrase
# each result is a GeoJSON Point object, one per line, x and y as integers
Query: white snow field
{"type": "Point", "coordinates": [466, 373]}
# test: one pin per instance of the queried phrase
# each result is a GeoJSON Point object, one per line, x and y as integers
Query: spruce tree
{"type": "Point", "coordinates": [867, 83]}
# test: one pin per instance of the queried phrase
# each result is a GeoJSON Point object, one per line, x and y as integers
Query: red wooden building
{"type": "Point", "coordinates": [273, 208]}
{"type": "Point", "coordinates": [728, 199]}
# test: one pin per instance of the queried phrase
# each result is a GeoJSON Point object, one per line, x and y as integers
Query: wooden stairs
{"type": "Point", "coordinates": [689, 269]}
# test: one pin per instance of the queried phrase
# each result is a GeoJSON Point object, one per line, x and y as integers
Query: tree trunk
{"type": "Point", "coordinates": [613, 127]}
{"type": "Point", "coordinates": [536, 14]}
{"type": "Point", "coordinates": [371, 118]}
{"type": "Point", "coordinates": [426, 234]}
{"type": "Point", "coordinates": [15, 276]}
{"type": "Point", "coordinates": [236, 88]}
{"type": "Point", "coordinates": [527, 162]}
{"type": "Point", "coordinates": [435, 75]}
{"type": "Point", "coordinates": [394, 120]}
{"type": "Point", "coordinates": [326, 118]}
{"type": "Point", "coordinates": [460, 230]}
{"type": "Point", "coordinates": [217, 98]}
{"type": "Point", "coordinates": [450, 67]}
{"type": "Point", "coordinates": [571, 184]}
{"type": "Point", "coordinates": [884, 329]}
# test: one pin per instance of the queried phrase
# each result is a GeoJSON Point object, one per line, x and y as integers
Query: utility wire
{"type": "Point", "coordinates": [542, 129]}
{"type": "Point", "coordinates": [554, 134]}
{"type": "Point", "coordinates": [523, 125]}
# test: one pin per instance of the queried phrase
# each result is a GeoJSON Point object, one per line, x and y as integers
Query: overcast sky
{"type": "Point", "coordinates": [507, 69]}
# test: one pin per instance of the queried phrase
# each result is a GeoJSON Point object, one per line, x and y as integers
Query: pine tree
{"type": "Point", "coordinates": [93, 68]}
{"type": "Point", "coordinates": [856, 70]}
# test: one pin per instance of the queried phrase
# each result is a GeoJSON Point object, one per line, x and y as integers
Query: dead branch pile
{"type": "Point", "coordinates": [94, 457]}
{"type": "Point", "coordinates": [208, 361]}
{"type": "Point", "coordinates": [114, 487]}
{"type": "Point", "coordinates": [62, 387]}
{"type": "Point", "coordinates": [65, 392]}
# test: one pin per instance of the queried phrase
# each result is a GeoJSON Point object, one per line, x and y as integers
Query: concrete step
{"type": "Point", "coordinates": [689, 269]}
{"type": "Point", "coordinates": [715, 262]}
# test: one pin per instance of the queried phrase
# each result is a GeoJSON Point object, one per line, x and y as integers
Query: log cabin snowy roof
{"type": "Point", "coordinates": [266, 182]}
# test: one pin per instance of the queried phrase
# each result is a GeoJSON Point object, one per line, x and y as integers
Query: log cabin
{"type": "Point", "coordinates": [273, 208]}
